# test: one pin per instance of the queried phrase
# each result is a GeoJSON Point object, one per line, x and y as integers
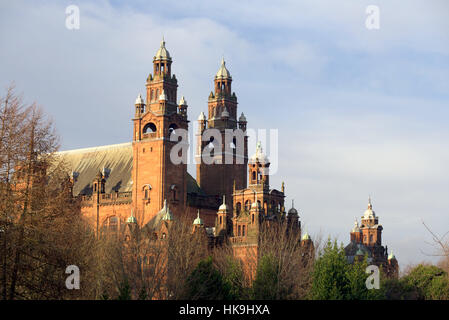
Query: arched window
{"type": "Point", "coordinates": [172, 128]}
{"type": "Point", "coordinates": [238, 207]}
{"type": "Point", "coordinates": [247, 205]}
{"type": "Point", "coordinates": [152, 95]}
{"type": "Point", "coordinates": [239, 229]}
{"type": "Point", "coordinates": [173, 190]}
{"type": "Point", "coordinates": [110, 224]}
{"type": "Point", "coordinates": [149, 128]}
{"type": "Point", "coordinates": [371, 238]}
{"type": "Point", "coordinates": [221, 220]}
{"type": "Point", "coordinates": [243, 231]}
{"type": "Point", "coordinates": [146, 192]}
{"type": "Point", "coordinates": [254, 175]}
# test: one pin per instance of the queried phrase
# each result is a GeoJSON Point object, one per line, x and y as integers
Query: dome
{"type": "Point", "coordinates": [139, 99]}
{"type": "Point", "coordinates": [198, 220]}
{"type": "Point", "coordinates": [356, 227]}
{"type": "Point", "coordinates": [391, 256]}
{"type": "Point", "coordinates": [242, 118]}
{"type": "Point", "coordinates": [131, 219]}
{"type": "Point", "coordinates": [202, 116]}
{"type": "Point", "coordinates": [225, 113]}
{"type": "Point", "coordinates": [162, 97]}
{"type": "Point", "coordinates": [306, 236]}
{"type": "Point", "coordinates": [223, 206]}
{"type": "Point", "coordinates": [369, 212]}
{"type": "Point", "coordinates": [259, 156]}
{"type": "Point", "coordinates": [362, 250]}
{"type": "Point", "coordinates": [223, 73]}
{"type": "Point", "coordinates": [182, 102]}
{"type": "Point", "coordinates": [166, 213]}
{"type": "Point", "coordinates": [162, 53]}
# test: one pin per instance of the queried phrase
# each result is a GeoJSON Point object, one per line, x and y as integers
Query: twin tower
{"type": "Point", "coordinates": [156, 177]}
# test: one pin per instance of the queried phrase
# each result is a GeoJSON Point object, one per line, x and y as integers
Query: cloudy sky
{"type": "Point", "coordinates": [359, 112]}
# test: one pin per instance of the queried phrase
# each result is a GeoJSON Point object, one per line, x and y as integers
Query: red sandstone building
{"type": "Point", "coordinates": [138, 183]}
{"type": "Point", "coordinates": [366, 240]}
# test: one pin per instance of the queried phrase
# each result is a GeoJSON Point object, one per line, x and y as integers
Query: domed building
{"type": "Point", "coordinates": [137, 189]}
{"type": "Point", "coordinates": [366, 240]}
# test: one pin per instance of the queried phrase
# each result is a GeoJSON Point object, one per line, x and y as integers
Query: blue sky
{"type": "Point", "coordinates": [359, 112]}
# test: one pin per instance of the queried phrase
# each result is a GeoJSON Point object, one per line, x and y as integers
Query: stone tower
{"type": "Point", "coordinates": [157, 174]}
{"type": "Point", "coordinates": [230, 155]}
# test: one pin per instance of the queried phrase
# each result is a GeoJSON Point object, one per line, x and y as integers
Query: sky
{"type": "Point", "coordinates": [359, 112]}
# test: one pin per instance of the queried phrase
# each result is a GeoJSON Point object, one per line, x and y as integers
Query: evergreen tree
{"type": "Point", "coordinates": [334, 278]}
{"type": "Point", "coordinates": [206, 283]}
{"type": "Point", "coordinates": [266, 284]}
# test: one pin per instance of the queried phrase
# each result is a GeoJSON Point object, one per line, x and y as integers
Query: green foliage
{"type": "Point", "coordinates": [234, 279]}
{"type": "Point", "coordinates": [438, 289]}
{"type": "Point", "coordinates": [398, 289]}
{"type": "Point", "coordinates": [336, 279]}
{"type": "Point", "coordinates": [206, 283]}
{"type": "Point", "coordinates": [124, 291]}
{"type": "Point", "coordinates": [265, 286]}
{"type": "Point", "coordinates": [430, 282]}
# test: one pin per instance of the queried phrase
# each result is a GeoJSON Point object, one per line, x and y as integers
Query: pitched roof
{"type": "Point", "coordinates": [115, 160]}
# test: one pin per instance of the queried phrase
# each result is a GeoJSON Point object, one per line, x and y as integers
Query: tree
{"type": "Point", "coordinates": [334, 278]}
{"type": "Point", "coordinates": [283, 260]}
{"type": "Point", "coordinates": [266, 284]}
{"type": "Point", "coordinates": [41, 230]}
{"type": "Point", "coordinates": [206, 283]}
{"type": "Point", "coordinates": [430, 282]}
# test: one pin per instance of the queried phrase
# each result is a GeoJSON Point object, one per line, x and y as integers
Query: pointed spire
{"type": "Point", "coordinates": [370, 206]}
{"type": "Point", "coordinates": [225, 113]}
{"type": "Point", "coordinates": [163, 97]}
{"type": "Point", "coordinates": [223, 206]}
{"type": "Point", "coordinates": [223, 72]}
{"type": "Point", "coordinates": [202, 116]}
{"type": "Point", "coordinates": [182, 102]}
{"type": "Point", "coordinates": [167, 215]}
{"type": "Point", "coordinates": [306, 236]}
{"type": "Point", "coordinates": [198, 220]}
{"type": "Point", "coordinates": [131, 219]}
{"type": "Point", "coordinates": [162, 53]}
{"type": "Point", "coordinates": [391, 256]}
{"type": "Point", "coordinates": [139, 100]}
